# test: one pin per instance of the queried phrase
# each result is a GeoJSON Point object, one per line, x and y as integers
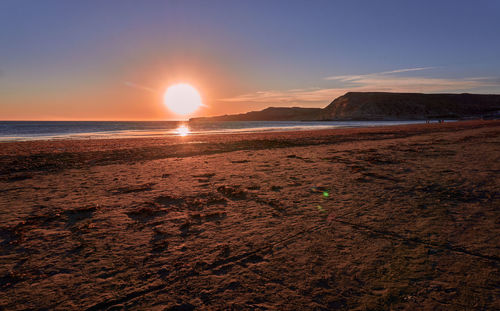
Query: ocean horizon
{"type": "Point", "coordinates": [61, 130]}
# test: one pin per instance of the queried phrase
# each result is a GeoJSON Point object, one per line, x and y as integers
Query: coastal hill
{"type": "Point", "coordinates": [380, 106]}
{"type": "Point", "coordinates": [271, 114]}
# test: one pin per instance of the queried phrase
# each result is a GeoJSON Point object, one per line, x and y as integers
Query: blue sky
{"type": "Point", "coordinates": [82, 59]}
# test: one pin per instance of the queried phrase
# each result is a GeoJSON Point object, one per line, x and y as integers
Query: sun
{"type": "Point", "coordinates": [182, 99]}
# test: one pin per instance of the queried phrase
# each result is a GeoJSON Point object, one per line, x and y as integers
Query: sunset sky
{"type": "Point", "coordinates": [113, 60]}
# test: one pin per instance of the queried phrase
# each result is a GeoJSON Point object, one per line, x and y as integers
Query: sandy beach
{"type": "Point", "coordinates": [401, 218]}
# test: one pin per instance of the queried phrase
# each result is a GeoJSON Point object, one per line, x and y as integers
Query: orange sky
{"type": "Point", "coordinates": [138, 96]}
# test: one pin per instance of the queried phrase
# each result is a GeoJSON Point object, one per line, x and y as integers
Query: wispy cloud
{"type": "Point", "coordinates": [141, 87]}
{"type": "Point", "coordinates": [383, 73]}
{"type": "Point", "coordinates": [407, 70]}
{"type": "Point", "coordinates": [310, 95]}
{"type": "Point", "coordinates": [386, 81]}
{"type": "Point", "coordinates": [411, 84]}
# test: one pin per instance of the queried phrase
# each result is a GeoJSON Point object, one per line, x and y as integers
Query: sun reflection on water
{"type": "Point", "coordinates": [182, 130]}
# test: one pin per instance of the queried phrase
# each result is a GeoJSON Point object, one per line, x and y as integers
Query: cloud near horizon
{"type": "Point", "coordinates": [141, 87]}
{"type": "Point", "coordinates": [310, 95]}
{"type": "Point", "coordinates": [386, 81]}
{"type": "Point", "coordinates": [396, 71]}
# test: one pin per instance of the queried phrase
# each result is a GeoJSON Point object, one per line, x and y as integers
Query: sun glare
{"type": "Point", "coordinates": [182, 99]}
{"type": "Point", "coordinates": [182, 130]}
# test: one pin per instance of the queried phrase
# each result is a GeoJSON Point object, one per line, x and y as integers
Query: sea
{"type": "Point", "coordinates": [59, 130]}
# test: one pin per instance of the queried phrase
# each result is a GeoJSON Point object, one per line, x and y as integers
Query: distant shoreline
{"type": "Point", "coordinates": [82, 130]}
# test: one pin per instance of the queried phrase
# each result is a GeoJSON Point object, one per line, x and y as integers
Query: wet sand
{"type": "Point", "coordinates": [403, 217]}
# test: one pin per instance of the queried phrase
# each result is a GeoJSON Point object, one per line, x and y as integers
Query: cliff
{"type": "Point", "coordinates": [409, 106]}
